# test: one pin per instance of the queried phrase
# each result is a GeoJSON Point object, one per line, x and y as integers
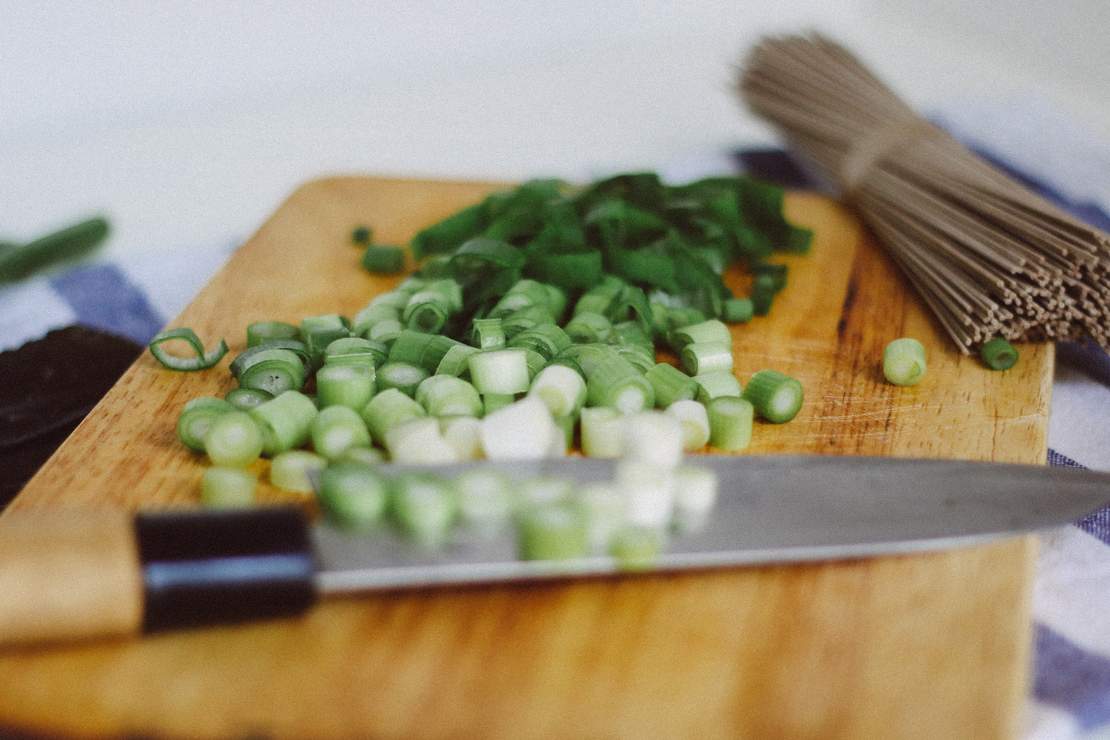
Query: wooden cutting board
{"type": "Point", "coordinates": [930, 646]}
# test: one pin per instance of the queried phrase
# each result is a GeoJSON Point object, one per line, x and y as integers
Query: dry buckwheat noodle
{"type": "Point", "coordinates": [989, 257]}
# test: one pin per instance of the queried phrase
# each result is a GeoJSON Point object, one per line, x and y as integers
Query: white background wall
{"type": "Point", "coordinates": [189, 121]}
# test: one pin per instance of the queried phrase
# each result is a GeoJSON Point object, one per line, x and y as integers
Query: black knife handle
{"type": "Point", "coordinates": [209, 567]}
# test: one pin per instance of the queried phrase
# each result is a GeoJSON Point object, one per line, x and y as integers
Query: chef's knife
{"type": "Point", "coordinates": [101, 573]}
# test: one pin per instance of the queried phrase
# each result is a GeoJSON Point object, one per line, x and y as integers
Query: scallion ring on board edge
{"type": "Point", "coordinates": [201, 361]}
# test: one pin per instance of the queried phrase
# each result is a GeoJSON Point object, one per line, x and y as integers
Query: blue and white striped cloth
{"type": "Point", "coordinates": [1071, 603]}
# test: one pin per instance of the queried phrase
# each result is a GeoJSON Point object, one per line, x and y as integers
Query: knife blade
{"type": "Point", "coordinates": [111, 573]}
{"type": "Point", "coordinates": [770, 510]}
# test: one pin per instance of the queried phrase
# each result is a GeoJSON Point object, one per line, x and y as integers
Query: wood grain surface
{"type": "Point", "coordinates": [930, 646]}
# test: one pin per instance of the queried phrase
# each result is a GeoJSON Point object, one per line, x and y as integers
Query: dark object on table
{"type": "Point", "coordinates": [49, 386]}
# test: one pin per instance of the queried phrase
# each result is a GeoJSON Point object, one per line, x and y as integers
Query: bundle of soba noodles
{"type": "Point", "coordinates": [988, 256]}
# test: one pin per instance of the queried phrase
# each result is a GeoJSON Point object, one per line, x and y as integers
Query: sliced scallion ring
{"type": "Point", "coordinates": [200, 361]}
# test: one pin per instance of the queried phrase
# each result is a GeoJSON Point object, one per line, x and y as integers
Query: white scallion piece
{"type": "Point", "coordinates": [520, 431]}
{"type": "Point", "coordinates": [500, 372]}
{"type": "Point", "coordinates": [695, 495]}
{"type": "Point", "coordinates": [419, 442]}
{"type": "Point", "coordinates": [648, 492]}
{"type": "Point", "coordinates": [653, 437]}
{"type": "Point", "coordinates": [562, 389]}
{"type": "Point", "coordinates": [424, 507]}
{"type": "Point", "coordinates": [544, 491]}
{"type": "Point", "coordinates": [446, 395]}
{"type": "Point", "coordinates": [289, 470]}
{"type": "Point", "coordinates": [464, 433]}
{"type": "Point", "coordinates": [603, 509]}
{"type": "Point", "coordinates": [694, 420]}
{"type": "Point", "coordinates": [602, 430]}
{"type": "Point", "coordinates": [485, 497]}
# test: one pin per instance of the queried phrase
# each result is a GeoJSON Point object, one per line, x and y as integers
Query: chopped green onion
{"type": "Point", "coordinates": [602, 430]}
{"type": "Point", "coordinates": [383, 260]}
{"type": "Point", "coordinates": [485, 497]}
{"type": "Point", "coordinates": [446, 395]}
{"type": "Point", "coordinates": [388, 409]}
{"type": "Point", "coordinates": [648, 492]}
{"type": "Point", "coordinates": [653, 437]}
{"type": "Point", "coordinates": [763, 294]}
{"type": "Point", "coordinates": [738, 310]}
{"type": "Point", "coordinates": [384, 331]}
{"type": "Point", "coordinates": [587, 326]}
{"type": "Point", "coordinates": [352, 496]}
{"type": "Point", "coordinates": [524, 294]}
{"type": "Point", "coordinates": [695, 496]}
{"type": "Point", "coordinates": [552, 533]}
{"type": "Point", "coordinates": [196, 419]}
{"type": "Point", "coordinates": [400, 375]}
{"type": "Point", "coordinates": [395, 299]}
{"type": "Point", "coordinates": [457, 361]}
{"type": "Point", "coordinates": [706, 331]}
{"type": "Point", "coordinates": [561, 389]}
{"type": "Point", "coordinates": [270, 369]}
{"type": "Point", "coordinates": [478, 258]}
{"type": "Point", "coordinates": [374, 314]}
{"type": "Point", "coordinates": [201, 359]}
{"type": "Point", "coordinates": [421, 349]}
{"type": "Point", "coordinates": [20, 261]}
{"type": "Point", "coordinates": [612, 381]}
{"type": "Point", "coordinates": [345, 385]}
{"type": "Point", "coordinates": [600, 298]}
{"type": "Point", "coordinates": [361, 235]}
{"type": "Point", "coordinates": [730, 423]}
{"type": "Point", "coordinates": [286, 421]}
{"type": "Point", "coordinates": [226, 487]}
{"type": "Point", "coordinates": [233, 440]}
{"type": "Point", "coordinates": [502, 371]}
{"type": "Point", "coordinates": [317, 332]}
{"type": "Point", "coordinates": [419, 442]}
{"type": "Point", "coordinates": [362, 456]}
{"type": "Point", "coordinates": [602, 509]}
{"type": "Point", "coordinates": [776, 274]}
{"type": "Point", "coordinates": [424, 507]}
{"type": "Point", "coordinates": [464, 434]}
{"type": "Point", "coordinates": [544, 491]}
{"type": "Point", "coordinates": [670, 384]}
{"type": "Point", "coordinates": [636, 548]}
{"type": "Point", "coordinates": [355, 351]}
{"type": "Point", "coordinates": [638, 358]}
{"type": "Point", "coordinates": [261, 332]}
{"type": "Point", "coordinates": [493, 401]}
{"type": "Point", "coordinates": [520, 431]}
{"type": "Point", "coordinates": [717, 384]}
{"type": "Point", "coordinates": [706, 357]}
{"type": "Point", "coordinates": [904, 361]}
{"type": "Point", "coordinates": [450, 232]}
{"type": "Point", "coordinates": [776, 397]}
{"type": "Point", "coordinates": [291, 469]}
{"type": "Point", "coordinates": [998, 354]}
{"type": "Point", "coordinates": [429, 309]}
{"type": "Point", "coordinates": [547, 339]}
{"type": "Point", "coordinates": [488, 334]}
{"type": "Point", "coordinates": [336, 429]}
{"type": "Point", "coordinates": [566, 424]}
{"type": "Point", "coordinates": [247, 398]}
{"type": "Point", "coordinates": [526, 318]}
{"type": "Point", "coordinates": [535, 362]}
{"type": "Point", "coordinates": [694, 420]}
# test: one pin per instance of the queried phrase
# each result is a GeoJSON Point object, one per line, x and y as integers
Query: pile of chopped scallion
{"type": "Point", "coordinates": [534, 320]}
